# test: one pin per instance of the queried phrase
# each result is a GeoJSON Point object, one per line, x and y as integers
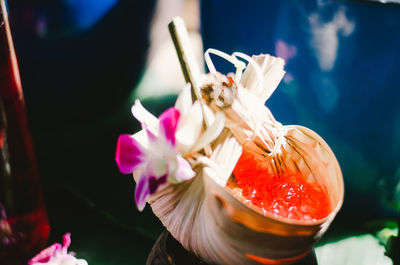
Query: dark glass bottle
{"type": "Point", "coordinates": [24, 227]}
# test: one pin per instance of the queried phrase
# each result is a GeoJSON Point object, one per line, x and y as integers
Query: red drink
{"type": "Point", "coordinates": [285, 194]}
{"type": "Point", "coordinates": [23, 222]}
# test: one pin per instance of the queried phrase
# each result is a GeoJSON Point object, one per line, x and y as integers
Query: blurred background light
{"type": "Point", "coordinates": [86, 13]}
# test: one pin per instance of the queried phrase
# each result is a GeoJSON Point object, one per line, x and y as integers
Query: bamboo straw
{"type": "Point", "coordinates": [186, 57]}
{"type": "Point", "coordinates": [190, 68]}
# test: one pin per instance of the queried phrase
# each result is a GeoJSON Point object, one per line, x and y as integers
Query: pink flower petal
{"type": "Point", "coordinates": [142, 192]}
{"type": "Point", "coordinates": [46, 254]}
{"type": "Point", "coordinates": [168, 123]}
{"type": "Point", "coordinates": [128, 154]}
{"type": "Point", "coordinates": [66, 242]}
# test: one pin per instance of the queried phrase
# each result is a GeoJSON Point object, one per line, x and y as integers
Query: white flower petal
{"type": "Point", "coordinates": [141, 137]}
{"type": "Point", "coordinates": [208, 113]}
{"type": "Point", "coordinates": [189, 128]}
{"type": "Point", "coordinates": [211, 133]}
{"type": "Point", "coordinates": [184, 101]}
{"type": "Point", "coordinates": [145, 117]}
{"type": "Point", "coordinates": [158, 167]}
{"type": "Point", "coordinates": [69, 260]}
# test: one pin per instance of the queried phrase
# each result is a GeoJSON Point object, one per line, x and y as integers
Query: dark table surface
{"type": "Point", "coordinates": [100, 238]}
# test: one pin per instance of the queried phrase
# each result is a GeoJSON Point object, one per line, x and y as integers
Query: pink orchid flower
{"type": "Point", "coordinates": [57, 254]}
{"type": "Point", "coordinates": [152, 154]}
